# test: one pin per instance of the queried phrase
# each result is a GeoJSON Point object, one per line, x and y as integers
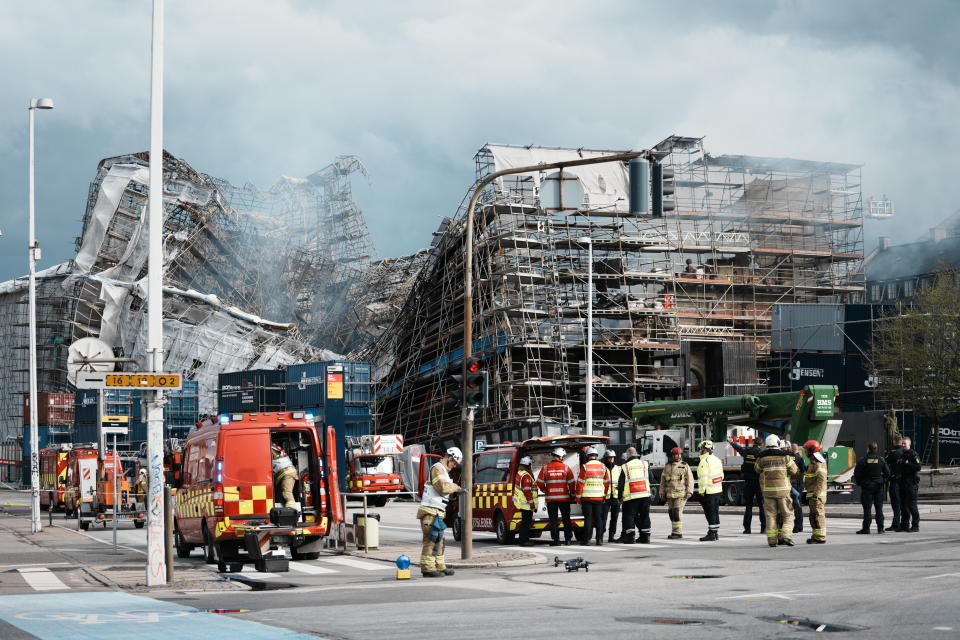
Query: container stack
{"type": "Point", "coordinates": [55, 417]}
{"type": "Point", "coordinates": [254, 391]}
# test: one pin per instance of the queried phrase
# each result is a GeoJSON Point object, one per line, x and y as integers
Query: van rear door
{"type": "Point", "coordinates": [246, 472]}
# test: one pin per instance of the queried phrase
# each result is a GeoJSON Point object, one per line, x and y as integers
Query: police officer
{"type": "Point", "coordinates": [815, 484]}
{"type": "Point", "coordinates": [592, 488]}
{"type": "Point", "coordinates": [751, 485]}
{"type": "Point", "coordinates": [776, 468]}
{"type": "Point", "coordinates": [908, 468]}
{"type": "Point", "coordinates": [710, 486]}
{"type": "Point", "coordinates": [893, 463]}
{"type": "Point", "coordinates": [797, 489]}
{"type": "Point", "coordinates": [634, 486]}
{"type": "Point", "coordinates": [871, 473]}
{"type": "Point", "coordinates": [611, 506]}
{"type": "Point", "coordinates": [676, 487]}
{"type": "Point", "coordinates": [525, 499]}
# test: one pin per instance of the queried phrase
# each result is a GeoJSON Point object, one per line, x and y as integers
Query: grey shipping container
{"type": "Point", "coordinates": [808, 327]}
{"type": "Point", "coordinates": [251, 391]}
{"type": "Point", "coordinates": [313, 383]}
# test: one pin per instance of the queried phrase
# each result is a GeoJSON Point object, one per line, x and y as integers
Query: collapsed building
{"type": "Point", "coordinates": [682, 304]}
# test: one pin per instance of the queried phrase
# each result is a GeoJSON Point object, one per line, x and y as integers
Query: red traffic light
{"type": "Point", "coordinates": [473, 365]}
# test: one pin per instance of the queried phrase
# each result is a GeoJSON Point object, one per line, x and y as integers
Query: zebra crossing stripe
{"type": "Point", "coordinates": [358, 564]}
{"type": "Point", "coordinates": [312, 569]}
{"type": "Point", "coordinates": [41, 579]}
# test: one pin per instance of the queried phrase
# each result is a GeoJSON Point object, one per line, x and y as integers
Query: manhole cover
{"type": "Point", "coordinates": [807, 624]}
{"type": "Point", "coordinates": [670, 621]}
{"type": "Point", "coordinates": [696, 576]}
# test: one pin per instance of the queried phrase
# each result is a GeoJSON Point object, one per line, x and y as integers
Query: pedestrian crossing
{"type": "Point", "coordinates": [17, 579]}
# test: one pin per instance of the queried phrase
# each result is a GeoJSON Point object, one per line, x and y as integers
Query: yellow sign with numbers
{"type": "Point", "coordinates": [142, 381]}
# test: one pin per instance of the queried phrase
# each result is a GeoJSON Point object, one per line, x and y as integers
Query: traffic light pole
{"type": "Point", "coordinates": [466, 549]}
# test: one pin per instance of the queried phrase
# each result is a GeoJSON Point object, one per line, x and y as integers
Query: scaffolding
{"type": "Point", "coordinates": [682, 304]}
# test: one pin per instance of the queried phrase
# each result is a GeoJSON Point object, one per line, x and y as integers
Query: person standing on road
{"type": "Point", "coordinates": [557, 483]}
{"type": "Point", "coordinates": [634, 486]}
{"type": "Point", "coordinates": [797, 490]}
{"type": "Point", "coordinates": [908, 468]}
{"type": "Point", "coordinates": [893, 489]}
{"type": "Point", "coordinates": [676, 487]}
{"type": "Point", "coordinates": [611, 505]}
{"type": "Point", "coordinates": [710, 486]}
{"type": "Point", "coordinates": [525, 499]}
{"type": "Point", "coordinates": [751, 485]}
{"type": "Point", "coordinates": [284, 475]}
{"type": "Point", "coordinates": [592, 488]}
{"type": "Point", "coordinates": [871, 473]}
{"type": "Point", "coordinates": [433, 507]}
{"type": "Point", "coordinates": [815, 484]}
{"type": "Point", "coordinates": [775, 468]}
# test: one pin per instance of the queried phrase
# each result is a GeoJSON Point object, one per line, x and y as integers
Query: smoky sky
{"type": "Point", "coordinates": [256, 90]}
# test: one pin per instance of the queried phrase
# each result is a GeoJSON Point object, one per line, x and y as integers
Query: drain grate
{"type": "Point", "coordinates": [671, 621]}
{"type": "Point", "coordinates": [695, 576]}
{"type": "Point", "coordinates": [813, 625]}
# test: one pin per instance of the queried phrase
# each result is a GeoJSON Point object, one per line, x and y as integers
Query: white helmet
{"type": "Point", "coordinates": [559, 452]}
{"type": "Point", "coordinates": [771, 442]}
{"type": "Point", "coordinates": [526, 461]}
{"type": "Point", "coordinates": [592, 451]}
{"type": "Point", "coordinates": [456, 454]}
{"type": "Point", "coordinates": [609, 453]}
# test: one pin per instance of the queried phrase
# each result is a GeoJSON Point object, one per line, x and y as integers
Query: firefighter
{"type": "Point", "coordinates": [908, 468]}
{"type": "Point", "coordinates": [815, 485]}
{"type": "Point", "coordinates": [433, 507]}
{"type": "Point", "coordinates": [871, 473]}
{"type": "Point", "coordinates": [525, 499]}
{"type": "Point", "coordinates": [557, 483]}
{"type": "Point", "coordinates": [284, 475]}
{"type": "Point", "coordinates": [676, 487]}
{"type": "Point", "coordinates": [593, 485]}
{"type": "Point", "coordinates": [634, 486]}
{"type": "Point", "coordinates": [710, 486]}
{"type": "Point", "coordinates": [797, 489]}
{"type": "Point", "coordinates": [611, 505]}
{"type": "Point", "coordinates": [141, 487]}
{"type": "Point", "coordinates": [893, 490]}
{"type": "Point", "coordinates": [775, 469]}
{"type": "Point", "coordinates": [751, 485]}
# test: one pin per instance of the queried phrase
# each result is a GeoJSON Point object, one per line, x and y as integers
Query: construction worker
{"type": "Point", "coordinates": [815, 485]}
{"type": "Point", "coordinates": [611, 505]}
{"type": "Point", "coordinates": [525, 499]}
{"type": "Point", "coordinates": [710, 486]}
{"type": "Point", "coordinates": [908, 470]}
{"type": "Point", "coordinates": [634, 486]}
{"type": "Point", "coordinates": [558, 485]}
{"type": "Point", "coordinates": [284, 475]}
{"type": "Point", "coordinates": [871, 473]}
{"type": "Point", "coordinates": [893, 489]}
{"type": "Point", "coordinates": [592, 488]}
{"type": "Point", "coordinates": [676, 487]}
{"type": "Point", "coordinates": [433, 507]}
{"type": "Point", "coordinates": [775, 468]}
{"type": "Point", "coordinates": [751, 485]}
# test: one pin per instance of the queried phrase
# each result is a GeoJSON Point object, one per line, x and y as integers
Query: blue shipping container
{"type": "Point", "coordinates": [306, 383]}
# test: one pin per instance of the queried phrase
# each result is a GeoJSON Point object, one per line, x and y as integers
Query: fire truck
{"type": "Point", "coordinates": [53, 477]}
{"type": "Point", "coordinates": [372, 466]}
{"type": "Point", "coordinates": [91, 479]}
{"type": "Point", "coordinates": [228, 504]}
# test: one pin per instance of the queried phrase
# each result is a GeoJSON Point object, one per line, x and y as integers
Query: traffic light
{"type": "Point", "coordinates": [639, 172]}
{"type": "Point", "coordinates": [455, 389]}
{"type": "Point", "coordinates": [477, 385]}
{"type": "Point", "coordinates": [661, 186]}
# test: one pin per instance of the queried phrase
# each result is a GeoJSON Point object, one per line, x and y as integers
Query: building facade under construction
{"type": "Point", "coordinates": [682, 304]}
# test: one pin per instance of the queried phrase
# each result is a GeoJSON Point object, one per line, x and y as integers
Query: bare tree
{"type": "Point", "coordinates": [917, 351]}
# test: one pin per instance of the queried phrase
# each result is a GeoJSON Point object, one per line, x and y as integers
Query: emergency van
{"type": "Point", "coordinates": [228, 503]}
{"type": "Point", "coordinates": [53, 478]}
{"type": "Point", "coordinates": [372, 468]}
{"type": "Point", "coordinates": [81, 480]}
{"type": "Point", "coordinates": [494, 471]}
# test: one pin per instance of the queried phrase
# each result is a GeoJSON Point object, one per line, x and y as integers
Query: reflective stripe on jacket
{"type": "Point", "coordinates": [594, 482]}
{"type": "Point", "coordinates": [676, 480]}
{"type": "Point", "coordinates": [556, 481]}
{"type": "Point", "coordinates": [709, 474]}
{"type": "Point", "coordinates": [775, 469]}
{"type": "Point", "coordinates": [636, 479]}
{"type": "Point", "coordinates": [440, 486]}
{"type": "Point", "coordinates": [613, 492]}
{"type": "Point", "coordinates": [524, 491]}
{"type": "Point", "coordinates": [815, 479]}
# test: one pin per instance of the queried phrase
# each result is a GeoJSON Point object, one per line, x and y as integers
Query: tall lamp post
{"type": "Point", "coordinates": [33, 254]}
{"type": "Point", "coordinates": [589, 392]}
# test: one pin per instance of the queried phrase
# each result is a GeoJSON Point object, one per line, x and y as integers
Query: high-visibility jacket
{"type": "Point", "coordinates": [676, 480]}
{"type": "Point", "coordinates": [613, 492]}
{"type": "Point", "coordinates": [437, 491]}
{"type": "Point", "coordinates": [524, 491]}
{"type": "Point", "coordinates": [775, 468]}
{"type": "Point", "coordinates": [709, 474]}
{"type": "Point", "coordinates": [556, 481]}
{"type": "Point", "coordinates": [635, 479]}
{"type": "Point", "coordinates": [815, 478]}
{"type": "Point", "coordinates": [594, 482]}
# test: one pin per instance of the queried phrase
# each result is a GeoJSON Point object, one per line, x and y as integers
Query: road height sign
{"type": "Point", "coordinates": [153, 381]}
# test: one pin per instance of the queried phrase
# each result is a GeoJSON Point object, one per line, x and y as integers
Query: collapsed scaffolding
{"type": "Point", "coordinates": [682, 304]}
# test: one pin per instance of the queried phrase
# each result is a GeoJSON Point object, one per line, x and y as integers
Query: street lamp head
{"type": "Point", "coordinates": [41, 103]}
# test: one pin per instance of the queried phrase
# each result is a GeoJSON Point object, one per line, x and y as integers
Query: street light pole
{"type": "Point", "coordinates": [466, 548]}
{"type": "Point", "coordinates": [589, 392]}
{"type": "Point", "coordinates": [33, 254]}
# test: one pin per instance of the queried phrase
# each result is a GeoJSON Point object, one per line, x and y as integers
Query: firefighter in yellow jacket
{"type": "Point", "coordinates": [775, 468]}
{"type": "Point", "coordinates": [815, 483]}
{"type": "Point", "coordinates": [525, 499]}
{"type": "Point", "coordinates": [710, 486]}
{"type": "Point", "coordinates": [676, 487]}
{"type": "Point", "coordinates": [433, 507]}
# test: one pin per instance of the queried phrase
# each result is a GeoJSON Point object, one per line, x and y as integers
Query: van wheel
{"type": "Point", "coordinates": [457, 529]}
{"type": "Point", "coordinates": [183, 548]}
{"type": "Point", "coordinates": [378, 501]}
{"type": "Point", "coordinates": [84, 526]}
{"type": "Point", "coordinates": [504, 535]}
{"type": "Point", "coordinates": [139, 524]}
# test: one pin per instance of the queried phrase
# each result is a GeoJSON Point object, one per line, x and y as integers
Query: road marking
{"type": "Point", "coordinates": [251, 575]}
{"type": "Point", "coordinates": [773, 595]}
{"type": "Point", "coordinates": [11, 566]}
{"type": "Point", "coordinates": [942, 575]}
{"type": "Point", "coordinates": [41, 579]}
{"type": "Point", "coordinates": [358, 564]}
{"type": "Point", "coordinates": [303, 567]}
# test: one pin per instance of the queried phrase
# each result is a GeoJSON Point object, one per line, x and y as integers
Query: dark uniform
{"type": "Point", "coordinates": [908, 469]}
{"type": "Point", "coordinates": [871, 473]}
{"type": "Point", "coordinates": [751, 485]}
{"type": "Point", "coordinates": [611, 506]}
{"type": "Point", "coordinates": [893, 460]}
{"type": "Point", "coordinates": [796, 492]}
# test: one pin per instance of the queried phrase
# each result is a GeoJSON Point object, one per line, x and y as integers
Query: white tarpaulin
{"type": "Point", "coordinates": [108, 199]}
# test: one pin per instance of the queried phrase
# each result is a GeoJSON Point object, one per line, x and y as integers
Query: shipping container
{"type": "Point", "coordinates": [52, 408]}
{"type": "Point", "coordinates": [313, 383]}
{"type": "Point", "coordinates": [116, 402]}
{"type": "Point", "coordinates": [258, 390]}
{"type": "Point", "coordinates": [47, 436]}
{"type": "Point", "coordinates": [808, 327]}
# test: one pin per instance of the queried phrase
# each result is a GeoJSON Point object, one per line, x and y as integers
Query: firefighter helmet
{"type": "Point", "coordinates": [277, 450]}
{"type": "Point", "coordinates": [526, 461]}
{"type": "Point", "coordinates": [592, 451]}
{"type": "Point", "coordinates": [456, 454]}
{"type": "Point", "coordinates": [707, 444]}
{"type": "Point", "coordinates": [609, 453]}
{"type": "Point", "coordinates": [559, 452]}
{"type": "Point", "coordinates": [677, 450]}
{"type": "Point", "coordinates": [771, 442]}
{"type": "Point", "coordinates": [811, 447]}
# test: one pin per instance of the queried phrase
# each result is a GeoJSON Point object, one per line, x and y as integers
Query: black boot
{"type": "Point", "coordinates": [710, 537]}
{"type": "Point", "coordinates": [644, 538]}
{"type": "Point", "coordinates": [610, 537]}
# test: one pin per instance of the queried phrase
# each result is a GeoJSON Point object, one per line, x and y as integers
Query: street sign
{"type": "Point", "coordinates": [151, 381]}
{"type": "Point", "coordinates": [120, 431]}
{"type": "Point", "coordinates": [479, 445]}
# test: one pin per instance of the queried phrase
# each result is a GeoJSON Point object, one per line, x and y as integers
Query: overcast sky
{"type": "Point", "coordinates": [256, 89]}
